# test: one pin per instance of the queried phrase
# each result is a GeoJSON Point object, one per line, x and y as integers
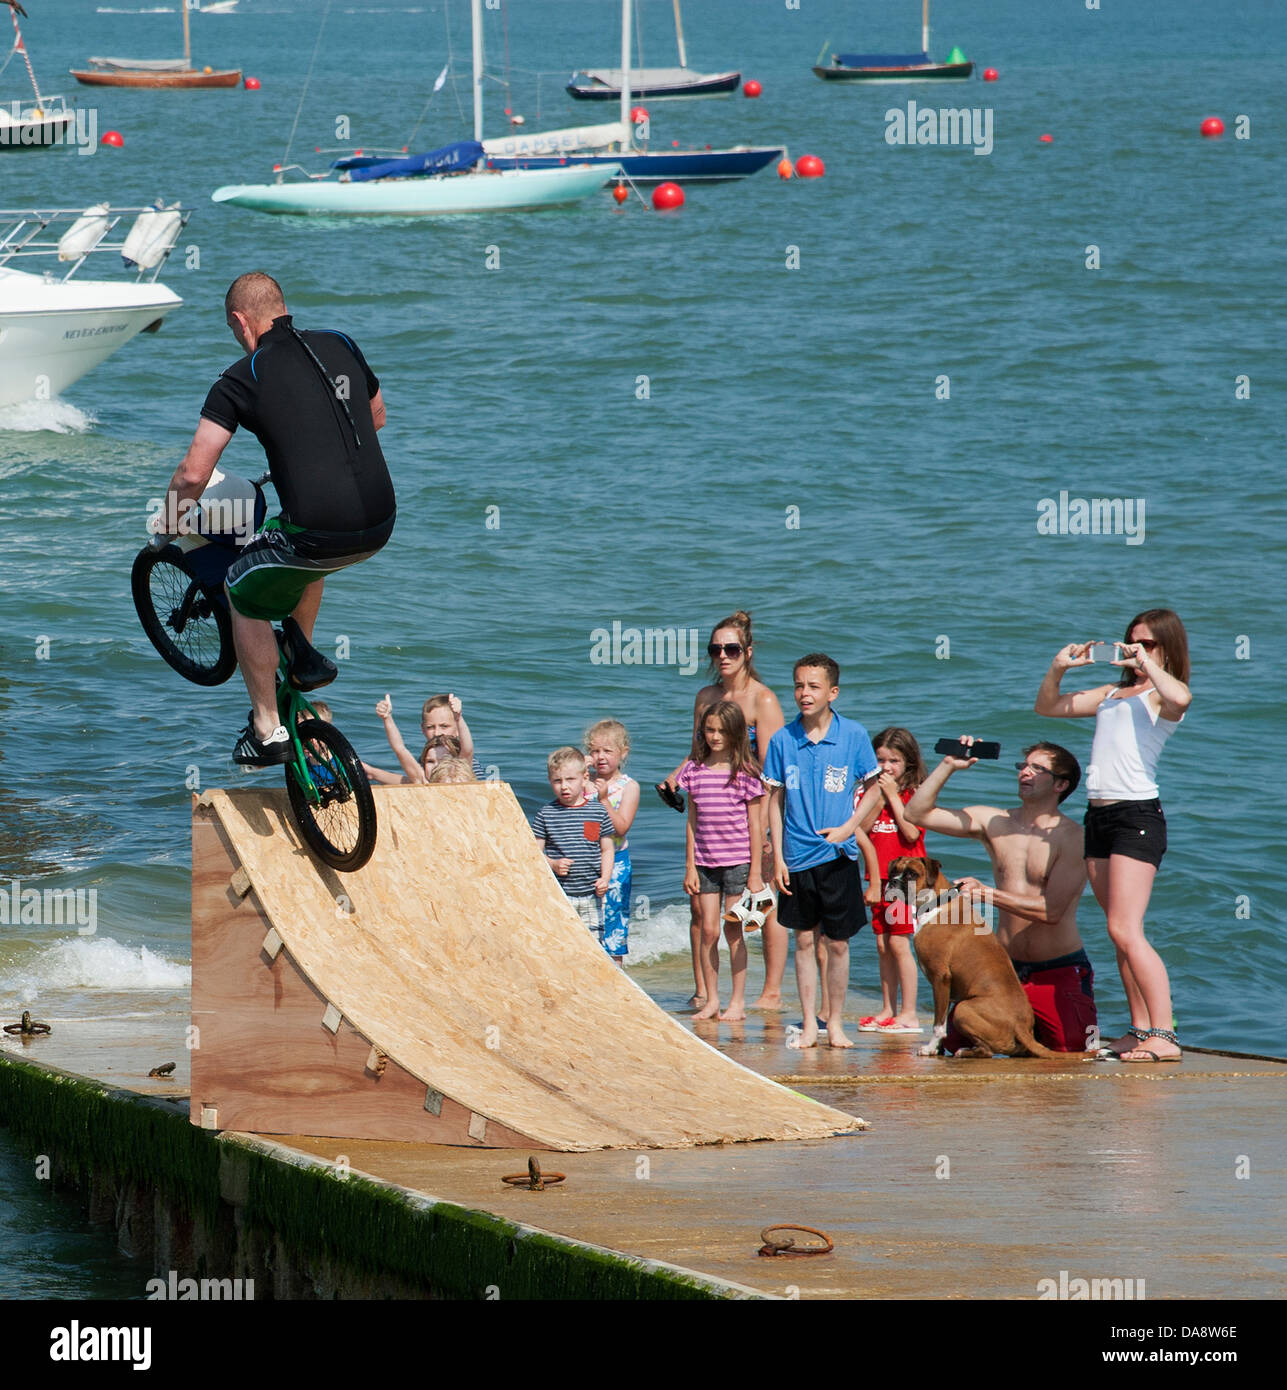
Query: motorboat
{"type": "Point", "coordinates": [56, 325]}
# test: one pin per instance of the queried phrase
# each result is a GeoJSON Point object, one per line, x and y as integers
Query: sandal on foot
{"type": "Point", "coordinates": [252, 751]}
{"type": "Point", "coordinates": [872, 1024]}
{"type": "Point", "coordinates": [1166, 1035]}
{"type": "Point", "coordinates": [1109, 1054]}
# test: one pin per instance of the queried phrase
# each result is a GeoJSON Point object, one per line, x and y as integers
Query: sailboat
{"type": "Point", "coordinates": [27, 125]}
{"type": "Point", "coordinates": [156, 72]}
{"type": "Point", "coordinates": [455, 179]}
{"type": "Point", "coordinates": [641, 166]}
{"type": "Point", "coordinates": [655, 84]}
{"type": "Point", "coordinates": [897, 67]}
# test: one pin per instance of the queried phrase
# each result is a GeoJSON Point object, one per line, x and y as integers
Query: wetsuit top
{"type": "Point", "coordinates": [306, 396]}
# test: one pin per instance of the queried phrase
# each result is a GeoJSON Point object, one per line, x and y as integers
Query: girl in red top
{"type": "Point", "coordinates": [881, 815]}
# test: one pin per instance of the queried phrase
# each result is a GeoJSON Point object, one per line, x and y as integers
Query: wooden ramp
{"type": "Point", "coordinates": [445, 993]}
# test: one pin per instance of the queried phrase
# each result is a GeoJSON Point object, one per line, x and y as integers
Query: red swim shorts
{"type": "Point", "coordinates": [1062, 995]}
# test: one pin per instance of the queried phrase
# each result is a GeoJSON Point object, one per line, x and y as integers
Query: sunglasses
{"type": "Point", "coordinates": [725, 648]}
{"type": "Point", "coordinates": [1146, 642]}
{"type": "Point", "coordinates": [1032, 767]}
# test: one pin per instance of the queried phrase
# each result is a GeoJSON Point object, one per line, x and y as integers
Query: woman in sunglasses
{"type": "Point", "coordinates": [735, 678]}
{"type": "Point", "coordinates": [1125, 827]}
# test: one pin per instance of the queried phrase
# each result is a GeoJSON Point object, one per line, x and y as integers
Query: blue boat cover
{"type": "Point", "coordinates": [881, 60]}
{"type": "Point", "coordinates": [450, 159]}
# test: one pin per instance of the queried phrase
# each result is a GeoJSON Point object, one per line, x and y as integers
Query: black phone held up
{"type": "Point", "coordinates": [954, 748]}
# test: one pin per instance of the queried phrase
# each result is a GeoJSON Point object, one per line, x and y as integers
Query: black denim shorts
{"type": "Point", "coordinates": [1134, 829]}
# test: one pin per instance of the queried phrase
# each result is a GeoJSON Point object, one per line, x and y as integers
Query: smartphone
{"type": "Point", "coordinates": [954, 748]}
{"type": "Point", "coordinates": [1103, 651]}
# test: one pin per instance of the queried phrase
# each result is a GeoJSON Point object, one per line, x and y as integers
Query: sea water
{"type": "Point", "coordinates": [870, 408]}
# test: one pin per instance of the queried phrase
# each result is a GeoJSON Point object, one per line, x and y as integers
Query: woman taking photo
{"type": "Point", "coordinates": [1125, 827]}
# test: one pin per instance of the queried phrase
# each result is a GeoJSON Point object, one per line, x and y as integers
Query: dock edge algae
{"type": "Point", "coordinates": [358, 1228]}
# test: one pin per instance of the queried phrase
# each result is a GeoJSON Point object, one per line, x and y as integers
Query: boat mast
{"type": "Point", "coordinates": [679, 36]}
{"type": "Point", "coordinates": [20, 47]}
{"type": "Point", "coordinates": [187, 37]}
{"type": "Point", "coordinates": [924, 25]}
{"type": "Point", "coordinates": [628, 140]}
{"type": "Point", "coordinates": [476, 25]}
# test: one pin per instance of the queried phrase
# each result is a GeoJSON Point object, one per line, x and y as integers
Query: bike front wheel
{"type": "Point", "coordinates": [188, 626]}
{"type": "Point", "coordinates": [334, 810]}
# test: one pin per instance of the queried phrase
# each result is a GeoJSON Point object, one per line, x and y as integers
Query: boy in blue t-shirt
{"type": "Point", "coordinates": [576, 835]}
{"type": "Point", "coordinates": [812, 768]}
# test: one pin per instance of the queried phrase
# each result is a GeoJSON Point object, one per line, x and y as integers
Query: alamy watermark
{"type": "Point", "coordinates": [23, 127]}
{"type": "Point", "coordinates": [210, 515]}
{"type": "Point", "coordinates": [646, 646]}
{"type": "Point", "coordinates": [49, 907]}
{"type": "Point", "coordinates": [1093, 516]}
{"type": "Point", "coordinates": [1077, 1289]}
{"type": "Point", "coordinates": [946, 125]}
{"type": "Point", "coordinates": [178, 1290]}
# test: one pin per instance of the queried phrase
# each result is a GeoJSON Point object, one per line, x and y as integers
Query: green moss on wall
{"type": "Point", "coordinates": [458, 1252]}
{"type": "Point", "coordinates": [354, 1224]}
{"type": "Point", "coordinates": [89, 1127]}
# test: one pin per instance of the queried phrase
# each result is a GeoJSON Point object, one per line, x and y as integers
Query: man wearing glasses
{"type": "Point", "coordinates": [1040, 873]}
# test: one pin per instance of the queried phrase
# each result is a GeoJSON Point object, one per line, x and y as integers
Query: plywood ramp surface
{"type": "Point", "coordinates": [456, 953]}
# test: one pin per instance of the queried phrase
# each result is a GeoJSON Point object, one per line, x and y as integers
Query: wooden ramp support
{"type": "Point", "coordinates": [446, 993]}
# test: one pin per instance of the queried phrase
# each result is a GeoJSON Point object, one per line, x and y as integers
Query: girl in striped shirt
{"type": "Point", "coordinates": [725, 820]}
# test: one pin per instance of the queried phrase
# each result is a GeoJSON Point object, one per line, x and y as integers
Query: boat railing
{"type": "Point", "coordinates": [23, 236]}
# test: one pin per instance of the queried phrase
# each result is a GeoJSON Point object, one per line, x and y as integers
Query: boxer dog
{"type": "Point", "coordinates": [966, 965]}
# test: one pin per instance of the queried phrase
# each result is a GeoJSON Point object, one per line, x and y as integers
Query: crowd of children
{"type": "Point", "coordinates": [795, 805]}
{"type": "Point", "coordinates": [778, 817]}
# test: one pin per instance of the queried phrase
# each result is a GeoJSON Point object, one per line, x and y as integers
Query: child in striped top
{"type": "Point", "coordinates": [725, 823]}
{"type": "Point", "coordinates": [575, 835]}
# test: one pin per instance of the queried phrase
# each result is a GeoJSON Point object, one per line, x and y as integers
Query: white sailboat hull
{"type": "Point", "coordinates": [53, 332]}
{"type": "Point", "coordinates": [506, 190]}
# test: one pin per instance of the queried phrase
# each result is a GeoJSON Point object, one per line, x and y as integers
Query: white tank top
{"type": "Point", "coordinates": [1128, 741]}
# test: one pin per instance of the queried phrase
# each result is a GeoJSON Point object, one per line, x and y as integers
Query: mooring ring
{"type": "Point", "coordinates": [772, 1246]}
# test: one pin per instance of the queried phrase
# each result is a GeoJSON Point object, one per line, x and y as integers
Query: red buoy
{"type": "Point", "coordinates": [638, 114]}
{"type": "Point", "coordinates": [990, 74]}
{"type": "Point", "coordinates": [252, 84]}
{"type": "Point", "coordinates": [113, 138]}
{"type": "Point", "coordinates": [809, 166]}
{"type": "Point", "coordinates": [619, 193]}
{"type": "Point", "coordinates": [1047, 139]}
{"type": "Point", "coordinates": [667, 196]}
{"type": "Point", "coordinates": [1213, 127]}
{"type": "Point", "coordinates": [784, 169]}
{"type": "Point", "coordinates": [751, 88]}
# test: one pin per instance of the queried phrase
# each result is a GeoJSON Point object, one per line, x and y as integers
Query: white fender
{"type": "Point", "coordinates": [152, 236]}
{"type": "Point", "coordinates": [84, 234]}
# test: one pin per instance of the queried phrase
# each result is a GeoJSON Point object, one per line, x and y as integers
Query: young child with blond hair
{"type": "Point", "coordinates": [576, 836]}
{"type": "Point", "coordinates": [608, 745]}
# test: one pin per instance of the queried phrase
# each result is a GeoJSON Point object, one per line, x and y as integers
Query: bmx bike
{"type": "Point", "coordinates": [178, 592]}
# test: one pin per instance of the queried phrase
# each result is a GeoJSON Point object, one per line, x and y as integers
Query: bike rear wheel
{"type": "Point", "coordinates": [339, 826]}
{"type": "Point", "coordinates": [188, 626]}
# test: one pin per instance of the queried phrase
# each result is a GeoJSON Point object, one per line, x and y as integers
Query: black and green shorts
{"type": "Point", "coordinates": [268, 579]}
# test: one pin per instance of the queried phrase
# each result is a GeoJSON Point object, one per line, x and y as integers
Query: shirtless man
{"type": "Point", "coordinates": [1036, 854]}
